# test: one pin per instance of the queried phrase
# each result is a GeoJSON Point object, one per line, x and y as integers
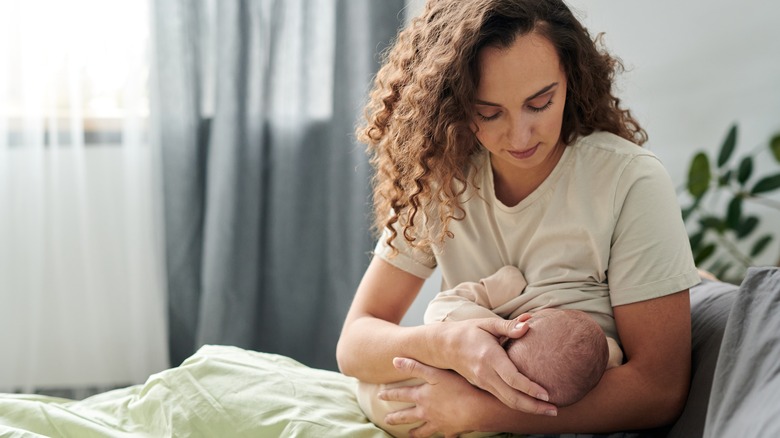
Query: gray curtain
{"type": "Point", "coordinates": [267, 204]}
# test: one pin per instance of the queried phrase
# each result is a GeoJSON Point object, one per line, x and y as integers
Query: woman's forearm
{"type": "Point", "coordinates": [367, 348]}
{"type": "Point", "coordinates": [371, 336]}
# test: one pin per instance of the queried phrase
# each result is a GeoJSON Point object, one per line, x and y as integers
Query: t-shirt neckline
{"type": "Point", "coordinates": [546, 185]}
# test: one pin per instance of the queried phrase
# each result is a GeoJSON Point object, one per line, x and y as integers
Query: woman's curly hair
{"type": "Point", "coordinates": [418, 118]}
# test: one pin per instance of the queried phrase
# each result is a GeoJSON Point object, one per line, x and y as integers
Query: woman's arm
{"type": "Point", "coordinates": [384, 295]}
{"type": "Point", "coordinates": [371, 338]}
{"type": "Point", "coordinates": [649, 390]}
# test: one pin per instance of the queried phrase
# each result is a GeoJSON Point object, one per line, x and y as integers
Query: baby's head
{"type": "Point", "coordinates": [564, 351]}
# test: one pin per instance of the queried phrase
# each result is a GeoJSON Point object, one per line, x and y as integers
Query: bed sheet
{"type": "Point", "coordinates": [218, 392]}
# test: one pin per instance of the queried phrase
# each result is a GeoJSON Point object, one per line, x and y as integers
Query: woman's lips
{"type": "Point", "coordinates": [521, 155]}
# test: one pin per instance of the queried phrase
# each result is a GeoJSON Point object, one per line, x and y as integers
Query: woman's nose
{"type": "Point", "coordinates": [519, 133]}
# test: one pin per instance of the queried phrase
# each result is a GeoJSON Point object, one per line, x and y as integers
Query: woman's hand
{"type": "Point", "coordinates": [473, 349]}
{"type": "Point", "coordinates": [439, 403]}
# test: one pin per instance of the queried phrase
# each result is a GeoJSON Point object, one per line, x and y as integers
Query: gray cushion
{"type": "Point", "coordinates": [711, 303]}
{"type": "Point", "coordinates": [745, 398]}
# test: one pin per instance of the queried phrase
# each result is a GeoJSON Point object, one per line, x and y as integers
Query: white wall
{"type": "Point", "coordinates": [695, 67]}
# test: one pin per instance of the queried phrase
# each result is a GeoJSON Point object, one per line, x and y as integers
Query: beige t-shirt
{"type": "Point", "coordinates": [604, 229]}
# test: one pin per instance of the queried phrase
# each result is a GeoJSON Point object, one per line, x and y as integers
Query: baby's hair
{"type": "Point", "coordinates": [564, 351]}
{"type": "Point", "coordinates": [418, 119]}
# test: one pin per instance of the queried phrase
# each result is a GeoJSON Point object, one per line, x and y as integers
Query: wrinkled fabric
{"type": "Point", "coordinates": [266, 191]}
{"type": "Point", "coordinates": [218, 392]}
{"type": "Point", "coordinates": [745, 398]}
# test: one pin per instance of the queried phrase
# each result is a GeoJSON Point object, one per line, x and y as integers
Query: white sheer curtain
{"type": "Point", "coordinates": [82, 299]}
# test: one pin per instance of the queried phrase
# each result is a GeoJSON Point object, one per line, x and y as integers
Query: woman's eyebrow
{"type": "Point", "coordinates": [530, 98]}
{"type": "Point", "coordinates": [542, 91]}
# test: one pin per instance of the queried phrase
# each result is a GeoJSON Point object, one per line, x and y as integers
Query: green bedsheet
{"type": "Point", "coordinates": [218, 392]}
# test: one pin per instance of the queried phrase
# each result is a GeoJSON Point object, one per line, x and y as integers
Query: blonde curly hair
{"type": "Point", "coordinates": [417, 128]}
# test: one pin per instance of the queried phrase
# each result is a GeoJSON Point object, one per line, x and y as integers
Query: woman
{"type": "Point", "coordinates": [496, 141]}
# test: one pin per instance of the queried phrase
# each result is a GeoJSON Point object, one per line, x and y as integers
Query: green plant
{"type": "Point", "coordinates": [722, 234]}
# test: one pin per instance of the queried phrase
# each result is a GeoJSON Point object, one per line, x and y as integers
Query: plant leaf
{"type": "Point", "coordinates": [774, 145]}
{"type": "Point", "coordinates": [699, 175]}
{"type": "Point", "coordinates": [760, 245]}
{"type": "Point", "coordinates": [725, 178]}
{"type": "Point", "coordinates": [704, 254]}
{"type": "Point", "coordinates": [766, 184]}
{"type": "Point", "coordinates": [745, 170]}
{"type": "Point", "coordinates": [727, 148]}
{"type": "Point", "coordinates": [747, 227]}
{"type": "Point", "coordinates": [734, 213]}
{"type": "Point", "coordinates": [713, 223]}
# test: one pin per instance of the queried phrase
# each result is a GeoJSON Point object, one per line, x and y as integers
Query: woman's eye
{"type": "Point", "coordinates": [490, 117]}
{"type": "Point", "coordinates": [537, 106]}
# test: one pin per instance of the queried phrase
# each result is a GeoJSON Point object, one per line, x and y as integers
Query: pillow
{"type": "Point", "coordinates": [745, 399]}
{"type": "Point", "coordinates": [711, 302]}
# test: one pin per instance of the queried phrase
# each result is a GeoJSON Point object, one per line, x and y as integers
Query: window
{"type": "Point", "coordinates": [72, 71]}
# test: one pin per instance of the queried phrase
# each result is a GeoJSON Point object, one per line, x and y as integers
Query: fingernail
{"type": "Point", "coordinates": [551, 413]}
{"type": "Point", "coordinates": [520, 325]}
{"type": "Point", "coordinates": [544, 397]}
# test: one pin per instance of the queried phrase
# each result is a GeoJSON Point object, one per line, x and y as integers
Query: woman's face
{"type": "Point", "coordinates": [519, 106]}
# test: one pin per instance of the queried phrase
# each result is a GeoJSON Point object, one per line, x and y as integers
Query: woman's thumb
{"type": "Point", "coordinates": [512, 328]}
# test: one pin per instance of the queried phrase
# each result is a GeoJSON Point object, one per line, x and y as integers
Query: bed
{"type": "Point", "coordinates": [225, 391]}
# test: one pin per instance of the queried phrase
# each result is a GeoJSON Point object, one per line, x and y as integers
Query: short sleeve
{"type": "Point", "coordinates": [650, 254]}
{"type": "Point", "coordinates": [416, 261]}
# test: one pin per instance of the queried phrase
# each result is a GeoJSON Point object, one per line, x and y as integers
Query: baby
{"type": "Point", "coordinates": [564, 351]}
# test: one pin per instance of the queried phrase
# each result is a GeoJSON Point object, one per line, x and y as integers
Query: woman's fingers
{"type": "Point", "coordinates": [413, 368]}
{"type": "Point", "coordinates": [500, 377]}
{"type": "Point", "coordinates": [404, 416]}
{"type": "Point", "coordinates": [505, 387]}
{"type": "Point", "coordinates": [405, 394]}
{"type": "Point", "coordinates": [411, 416]}
{"type": "Point", "coordinates": [512, 328]}
{"type": "Point", "coordinates": [518, 392]}
{"type": "Point", "coordinates": [431, 414]}
{"type": "Point", "coordinates": [509, 375]}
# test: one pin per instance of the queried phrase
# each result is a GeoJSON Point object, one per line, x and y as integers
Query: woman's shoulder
{"type": "Point", "coordinates": [602, 142]}
{"type": "Point", "coordinates": [603, 155]}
